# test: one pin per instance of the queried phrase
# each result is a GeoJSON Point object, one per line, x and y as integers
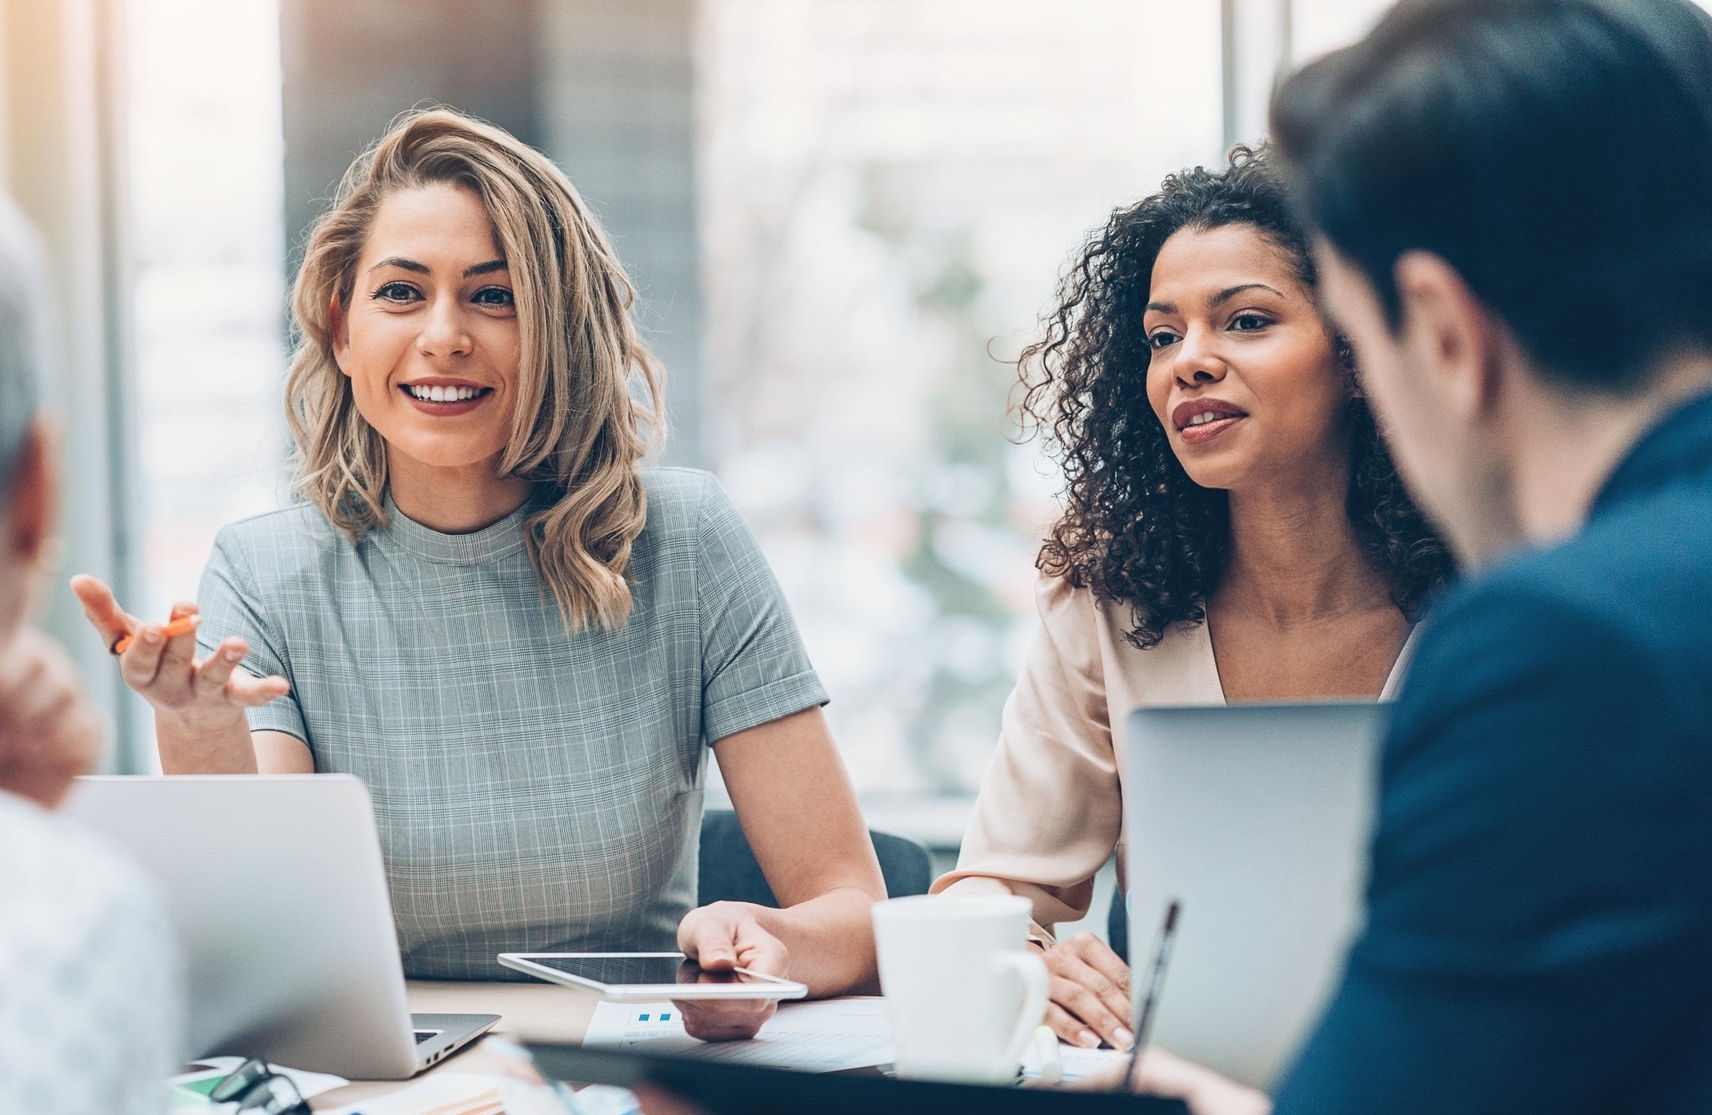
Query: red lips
{"type": "Point", "coordinates": [1183, 412]}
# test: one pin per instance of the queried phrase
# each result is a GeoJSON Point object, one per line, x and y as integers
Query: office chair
{"type": "Point", "coordinates": [728, 871]}
{"type": "Point", "coordinates": [1117, 925]}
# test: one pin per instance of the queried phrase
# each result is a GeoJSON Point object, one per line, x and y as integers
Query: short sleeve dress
{"type": "Point", "coordinates": [535, 789]}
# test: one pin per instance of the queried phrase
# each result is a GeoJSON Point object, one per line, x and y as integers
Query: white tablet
{"type": "Point", "coordinates": [643, 977]}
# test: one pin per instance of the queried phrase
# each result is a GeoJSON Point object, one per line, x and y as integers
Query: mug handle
{"type": "Point", "coordinates": [1031, 970]}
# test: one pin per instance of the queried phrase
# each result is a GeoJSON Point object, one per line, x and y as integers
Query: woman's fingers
{"type": "Point", "coordinates": [760, 951]}
{"type": "Point", "coordinates": [707, 938]}
{"type": "Point", "coordinates": [725, 935]}
{"type": "Point", "coordinates": [163, 668]}
{"type": "Point", "coordinates": [249, 691]}
{"type": "Point", "coordinates": [1090, 996]}
{"type": "Point", "coordinates": [756, 950]}
{"type": "Point", "coordinates": [102, 610]}
{"type": "Point", "coordinates": [180, 653]}
{"type": "Point", "coordinates": [1099, 956]}
{"type": "Point", "coordinates": [215, 671]}
{"type": "Point", "coordinates": [220, 677]}
{"type": "Point", "coordinates": [1090, 962]}
{"type": "Point", "coordinates": [140, 665]}
{"type": "Point", "coordinates": [720, 937]}
{"type": "Point", "coordinates": [151, 657]}
{"type": "Point", "coordinates": [1070, 1028]}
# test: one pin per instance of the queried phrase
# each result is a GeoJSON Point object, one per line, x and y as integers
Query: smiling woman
{"type": "Point", "coordinates": [429, 342]}
{"type": "Point", "coordinates": [436, 243]}
{"type": "Point", "coordinates": [523, 641]}
{"type": "Point", "coordinates": [1233, 530]}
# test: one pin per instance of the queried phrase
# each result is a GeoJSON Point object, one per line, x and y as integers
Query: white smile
{"type": "Point", "coordinates": [443, 394]}
{"type": "Point", "coordinates": [1206, 416]}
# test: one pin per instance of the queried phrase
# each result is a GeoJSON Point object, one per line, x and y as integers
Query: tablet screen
{"type": "Point", "coordinates": [619, 971]}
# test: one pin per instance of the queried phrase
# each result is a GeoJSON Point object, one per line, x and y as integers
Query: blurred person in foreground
{"type": "Point", "coordinates": [88, 1000]}
{"type": "Point", "coordinates": [1234, 530]}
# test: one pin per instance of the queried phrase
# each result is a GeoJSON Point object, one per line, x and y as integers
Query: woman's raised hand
{"type": "Point", "coordinates": [199, 705]}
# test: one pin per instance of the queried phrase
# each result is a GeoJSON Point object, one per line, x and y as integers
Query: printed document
{"type": "Point", "coordinates": [822, 1036]}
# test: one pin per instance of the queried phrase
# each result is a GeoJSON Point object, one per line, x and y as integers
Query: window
{"type": "Point", "coordinates": [205, 209]}
{"type": "Point", "coordinates": [885, 192]}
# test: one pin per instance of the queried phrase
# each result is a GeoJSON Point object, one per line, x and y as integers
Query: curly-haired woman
{"type": "Point", "coordinates": [1234, 530]}
{"type": "Point", "coordinates": [521, 639]}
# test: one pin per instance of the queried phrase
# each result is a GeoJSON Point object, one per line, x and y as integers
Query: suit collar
{"type": "Point", "coordinates": [1676, 445]}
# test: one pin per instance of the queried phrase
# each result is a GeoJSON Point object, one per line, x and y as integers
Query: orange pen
{"type": "Point", "coordinates": [183, 625]}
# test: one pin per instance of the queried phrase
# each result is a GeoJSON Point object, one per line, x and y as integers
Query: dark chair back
{"type": "Point", "coordinates": [729, 873]}
{"type": "Point", "coordinates": [1117, 925]}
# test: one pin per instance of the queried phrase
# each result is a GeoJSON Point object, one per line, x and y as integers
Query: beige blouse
{"type": "Point", "coordinates": [1051, 805]}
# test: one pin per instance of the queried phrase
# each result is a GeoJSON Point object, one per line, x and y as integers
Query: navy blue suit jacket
{"type": "Point", "coordinates": [1539, 932]}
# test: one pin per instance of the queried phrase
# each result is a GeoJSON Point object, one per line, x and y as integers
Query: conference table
{"type": "Point", "coordinates": [551, 1013]}
{"type": "Point", "coordinates": [528, 1012]}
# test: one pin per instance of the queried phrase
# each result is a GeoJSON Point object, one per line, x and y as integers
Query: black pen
{"type": "Point", "coordinates": [1155, 978]}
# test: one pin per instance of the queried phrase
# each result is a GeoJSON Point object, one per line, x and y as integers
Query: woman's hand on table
{"type": "Point", "coordinates": [49, 732]}
{"type": "Point", "coordinates": [720, 937]}
{"type": "Point", "coordinates": [1089, 987]}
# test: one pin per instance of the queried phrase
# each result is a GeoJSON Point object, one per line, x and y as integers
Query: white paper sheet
{"type": "Point", "coordinates": [822, 1036]}
{"type": "Point", "coordinates": [1078, 1063]}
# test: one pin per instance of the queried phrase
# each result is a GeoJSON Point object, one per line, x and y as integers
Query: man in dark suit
{"type": "Point", "coordinates": [1514, 207]}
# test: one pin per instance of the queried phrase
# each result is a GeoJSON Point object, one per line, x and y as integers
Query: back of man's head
{"type": "Point", "coordinates": [20, 336]}
{"type": "Point", "coordinates": [1556, 153]}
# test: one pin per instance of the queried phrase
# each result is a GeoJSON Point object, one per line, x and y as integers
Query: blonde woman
{"type": "Point", "coordinates": [521, 639]}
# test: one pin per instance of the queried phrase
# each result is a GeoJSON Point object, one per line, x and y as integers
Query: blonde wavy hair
{"type": "Point", "coordinates": [588, 389]}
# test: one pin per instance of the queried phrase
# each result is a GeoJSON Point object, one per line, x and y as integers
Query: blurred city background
{"type": "Point", "coordinates": [845, 218]}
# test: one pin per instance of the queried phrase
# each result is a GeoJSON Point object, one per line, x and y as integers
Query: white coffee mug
{"type": "Point", "coordinates": [962, 988]}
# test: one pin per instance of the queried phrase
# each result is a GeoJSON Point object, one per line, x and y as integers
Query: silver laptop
{"type": "Point", "coordinates": [1257, 818]}
{"type": "Point", "coordinates": [276, 887]}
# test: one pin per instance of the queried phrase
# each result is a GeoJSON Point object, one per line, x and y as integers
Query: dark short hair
{"type": "Point", "coordinates": [1557, 153]}
{"type": "Point", "coordinates": [20, 332]}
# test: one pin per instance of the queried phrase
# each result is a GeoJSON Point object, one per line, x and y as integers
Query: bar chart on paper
{"type": "Point", "coordinates": [823, 1036]}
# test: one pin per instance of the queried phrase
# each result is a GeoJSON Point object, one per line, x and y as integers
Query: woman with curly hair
{"type": "Point", "coordinates": [523, 640]}
{"type": "Point", "coordinates": [1234, 530]}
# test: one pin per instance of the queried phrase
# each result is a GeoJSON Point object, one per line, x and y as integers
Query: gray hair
{"type": "Point", "coordinates": [21, 351]}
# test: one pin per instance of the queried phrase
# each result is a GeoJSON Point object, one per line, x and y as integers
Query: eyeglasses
{"type": "Point", "coordinates": [255, 1087]}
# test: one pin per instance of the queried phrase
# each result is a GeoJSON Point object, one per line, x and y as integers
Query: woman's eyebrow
{"type": "Point", "coordinates": [402, 264]}
{"type": "Point", "coordinates": [1163, 307]}
{"type": "Point", "coordinates": [1228, 293]}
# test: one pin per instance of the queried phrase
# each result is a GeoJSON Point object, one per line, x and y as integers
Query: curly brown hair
{"type": "Point", "coordinates": [1135, 528]}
